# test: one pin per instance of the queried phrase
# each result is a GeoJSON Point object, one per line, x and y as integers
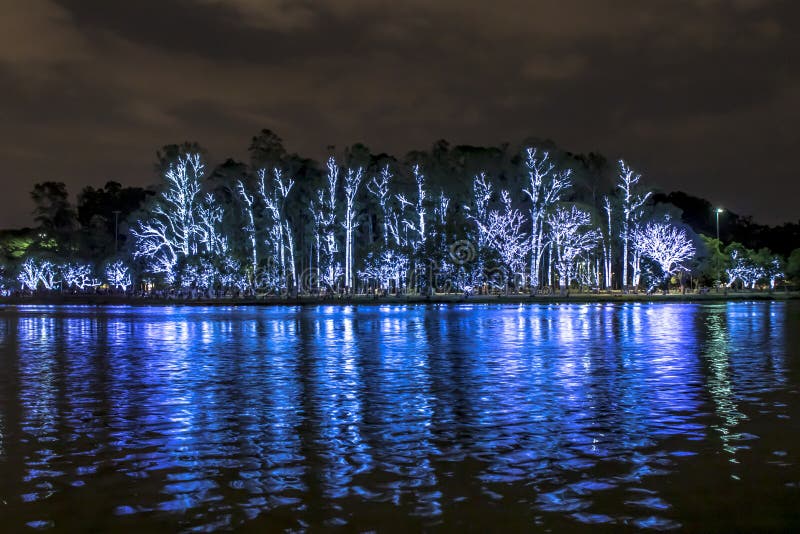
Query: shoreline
{"type": "Point", "coordinates": [365, 300]}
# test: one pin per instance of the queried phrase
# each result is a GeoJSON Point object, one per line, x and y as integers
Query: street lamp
{"type": "Point", "coordinates": [718, 211]}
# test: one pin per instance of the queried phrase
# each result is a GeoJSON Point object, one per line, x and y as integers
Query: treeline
{"type": "Point", "coordinates": [700, 214]}
{"type": "Point", "coordinates": [453, 218]}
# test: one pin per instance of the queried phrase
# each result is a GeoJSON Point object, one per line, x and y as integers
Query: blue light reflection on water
{"type": "Point", "coordinates": [222, 416]}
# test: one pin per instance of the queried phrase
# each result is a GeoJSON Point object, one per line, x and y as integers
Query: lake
{"type": "Point", "coordinates": [441, 417]}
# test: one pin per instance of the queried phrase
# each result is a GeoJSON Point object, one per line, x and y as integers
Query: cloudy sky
{"type": "Point", "coordinates": [700, 95]}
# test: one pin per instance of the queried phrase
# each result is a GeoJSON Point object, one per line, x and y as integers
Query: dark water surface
{"type": "Point", "coordinates": [562, 417]}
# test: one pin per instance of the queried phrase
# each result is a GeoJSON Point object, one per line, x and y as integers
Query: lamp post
{"type": "Point", "coordinates": [719, 245]}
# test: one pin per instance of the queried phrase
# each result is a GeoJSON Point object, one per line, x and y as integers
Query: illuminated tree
{"type": "Point", "coordinates": [587, 269]}
{"type": "Point", "coordinates": [4, 284]}
{"type": "Point", "coordinates": [200, 273]}
{"type": "Point", "coordinates": [332, 274]}
{"type": "Point", "coordinates": [352, 179]}
{"type": "Point", "coordinates": [78, 276]}
{"type": "Point", "coordinates": [242, 224]}
{"type": "Point", "coordinates": [232, 275]}
{"type": "Point", "coordinates": [570, 239]}
{"type": "Point", "coordinates": [502, 231]}
{"type": "Point", "coordinates": [31, 273]}
{"type": "Point", "coordinates": [34, 273]}
{"type": "Point", "coordinates": [479, 211]}
{"type": "Point", "coordinates": [155, 242]}
{"type": "Point", "coordinates": [250, 227]}
{"type": "Point", "coordinates": [118, 275]}
{"type": "Point", "coordinates": [743, 268]}
{"type": "Point", "coordinates": [438, 254]}
{"type": "Point", "coordinates": [380, 190]}
{"type": "Point", "coordinates": [170, 234]}
{"type": "Point", "coordinates": [49, 275]}
{"type": "Point", "coordinates": [393, 233]}
{"type": "Point", "coordinates": [774, 271]}
{"type": "Point", "coordinates": [463, 278]}
{"type": "Point", "coordinates": [318, 217]}
{"type": "Point", "coordinates": [636, 257]}
{"type": "Point", "coordinates": [279, 232]}
{"type": "Point", "coordinates": [414, 222]}
{"type": "Point", "coordinates": [607, 242]}
{"type": "Point", "coordinates": [179, 201]}
{"type": "Point", "coordinates": [385, 268]}
{"type": "Point", "coordinates": [468, 273]}
{"type": "Point", "coordinates": [666, 245]}
{"type": "Point", "coordinates": [632, 203]}
{"type": "Point", "coordinates": [208, 228]}
{"type": "Point", "coordinates": [324, 213]}
{"type": "Point", "coordinates": [544, 190]}
{"type": "Point", "coordinates": [771, 266]}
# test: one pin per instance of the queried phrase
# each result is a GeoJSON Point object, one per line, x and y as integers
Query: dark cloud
{"type": "Point", "coordinates": [700, 95]}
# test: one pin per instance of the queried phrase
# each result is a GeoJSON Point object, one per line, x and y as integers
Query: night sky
{"type": "Point", "coordinates": [699, 95]}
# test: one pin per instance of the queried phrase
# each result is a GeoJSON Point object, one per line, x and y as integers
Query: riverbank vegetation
{"type": "Point", "coordinates": [452, 220]}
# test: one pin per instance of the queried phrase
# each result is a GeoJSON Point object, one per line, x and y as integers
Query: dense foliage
{"type": "Point", "coordinates": [449, 219]}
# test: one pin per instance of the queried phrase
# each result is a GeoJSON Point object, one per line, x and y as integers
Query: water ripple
{"type": "Point", "coordinates": [376, 417]}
